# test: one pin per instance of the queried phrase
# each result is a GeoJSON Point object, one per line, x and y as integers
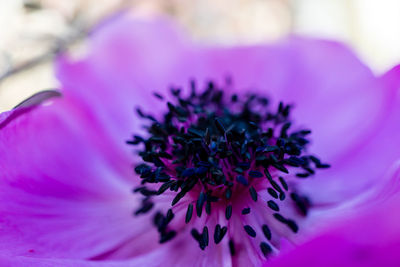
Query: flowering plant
{"type": "Point", "coordinates": [224, 169]}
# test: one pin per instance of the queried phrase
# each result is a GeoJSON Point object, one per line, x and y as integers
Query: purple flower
{"type": "Point", "coordinates": [222, 173]}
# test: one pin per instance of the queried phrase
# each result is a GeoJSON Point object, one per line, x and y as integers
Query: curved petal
{"type": "Point", "coordinates": [22, 261]}
{"type": "Point", "coordinates": [365, 164]}
{"type": "Point", "coordinates": [128, 61]}
{"type": "Point", "coordinates": [333, 93]}
{"type": "Point", "coordinates": [131, 58]}
{"type": "Point", "coordinates": [64, 188]}
{"type": "Point", "coordinates": [370, 238]}
{"type": "Point", "coordinates": [189, 255]}
{"type": "Point", "coordinates": [346, 111]}
{"type": "Point", "coordinates": [26, 105]}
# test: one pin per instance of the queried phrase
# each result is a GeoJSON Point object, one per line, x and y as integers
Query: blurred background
{"type": "Point", "coordinates": [33, 31]}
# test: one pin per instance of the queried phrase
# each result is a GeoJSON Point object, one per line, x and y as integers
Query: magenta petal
{"type": "Point", "coordinates": [130, 58]}
{"type": "Point", "coordinates": [62, 181]}
{"type": "Point", "coordinates": [363, 167]}
{"type": "Point", "coordinates": [330, 88]}
{"type": "Point", "coordinates": [370, 238]}
{"type": "Point", "coordinates": [77, 186]}
{"type": "Point", "coordinates": [128, 61]}
{"type": "Point", "coordinates": [22, 261]}
{"type": "Point", "coordinates": [27, 105]}
{"type": "Point", "coordinates": [185, 252]}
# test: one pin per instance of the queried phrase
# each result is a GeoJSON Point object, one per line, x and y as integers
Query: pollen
{"type": "Point", "coordinates": [236, 154]}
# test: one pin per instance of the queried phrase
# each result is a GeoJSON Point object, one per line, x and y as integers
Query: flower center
{"type": "Point", "coordinates": [213, 154]}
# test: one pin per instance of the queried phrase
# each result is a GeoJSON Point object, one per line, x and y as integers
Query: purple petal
{"type": "Point", "coordinates": [65, 190]}
{"type": "Point", "coordinates": [27, 105]}
{"type": "Point", "coordinates": [366, 163]}
{"type": "Point", "coordinates": [371, 238]}
{"type": "Point", "coordinates": [333, 93]}
{"type": "Point", "coordinates": [128, 61]}
{"type": "Point", "coordinates": [84, 189]}
{"type": "Point", "coordinates": [330, 88]}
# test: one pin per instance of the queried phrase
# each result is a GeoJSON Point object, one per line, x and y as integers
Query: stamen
{"type": "Point", "coordinates": [265, 248]}
{"type": "Point", "coordinates": [221, 234]}
{"type": "Point", "coordinates": [283, 183]}
{"type": "Point", "coordinates": [272, 192]}
{"type": "Point", "coordinates": [253, 193]}
{"type": "Point", "coordinates": [266, 231]}
{"type": "Point", "coordinates": [250, 231]}
{"type": "Point", "coordinates": [227, 155]}
{"type": "Point", "coordinates": [228, 212]}
{"type": "Point", "coordinates": [246, 211]}
{"type": "Point", "coordinates": [272, 205]}
{"type": "Point", "coordinates": [232, 247]}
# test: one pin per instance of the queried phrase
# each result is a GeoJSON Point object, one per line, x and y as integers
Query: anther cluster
{"type": "Point", "coordinates": [213, 151]}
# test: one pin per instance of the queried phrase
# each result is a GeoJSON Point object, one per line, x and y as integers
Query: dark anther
{"type": "Point", "coordinates": [266, 231]}
{"type": "Point", "coordinates": [275, 185]}
{"type": "Point", "coordinates": [192, 88]}
{"type": "Point", "coordinates": [241, 179]}
{"type": "Point", "coordinates": [204, 236]}
{"type": "Point", "coordinates": [255, 174]}
{"type": "Point", "coordinates": [272, 205]}
{"type": "Point", "coordinates": [323, 166]}
{"type": "Point", "coordinates": [280, 218]}
{"type": "Point", "coordinates": [284, 129]}
{"type": "Point", "coordinates": [253, 193]}
{"type": "Point", "coordinates": [195, 132]}
{"type": "Point", "coordinates": [272, 192]}
{"type": "Point", "coordinates": [228, 212]}
{"type": "Point", "coordinates": [292, 225]}
{"type": "Point", "coordinates": [146, 207]}
{"type": "Point", "coordinates": [199, 204]}
{"type": "Point", "coordinates": [250, 231]}
{"type": "Point", "coordinates": [188, 172]}
{"type": "Point", "coordinates": [244, 165]}
{"type": "Point", "coordinates": [302, 203]}
{"type": "Point", "coordinates": [246, 211]}
{"type": "Point", "coordinates": [267, 174]}
{"type": "Point", "coordinates": [170, 215]}
{"type": "Point", "coordinates": [207, 137]}
{"type": "Point", "coordinates": [219, 233]}
{"type": "Point", "coordinates": [175, 91]}
{"type": "Point", "coordinates": [283, 183]}
{"type": "Point", "coordinates": [178, 197]}
{"type": "Point", "coordinates": [318, 163]}
{"type": "Point", "coordinates": [234, 98]}
{"type": "Point", "coordinates": [213, 145]}
{"type": "Point", "coordinates": [228, 193]}
{"type": "Point", "coordinates": [200, 238]}
{"type": "Point", "coordinates": [302, 175]}
{"type": "Point", "coordinates": [232, 247]}
{"type": "Point", "coordinates": [158, 96]}
{"type": "Point", "coordinates": [138, 189]}
{"type": "Point", "coordinates": [265, 248]}
{"type": "Point", "coordinates": [140, 113]}
{"type": "Point", "coordinates": [167, 236]}
{"type": "Point", "coordinates": [280, 167]}
{"type": "Point", "coordinates": [196, 235]}
{"type": "Point", "coordinates": [160, 222]}
{"type": "Point", "coordinates": [220, 126]}
{"type": "Point", "coordinates": [189, 213]}
{"type": "Point", "coordinates": [208, 207]}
